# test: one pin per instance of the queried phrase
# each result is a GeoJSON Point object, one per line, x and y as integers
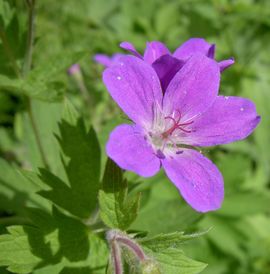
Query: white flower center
{"type": "Point", "coordinates": [166, 132]}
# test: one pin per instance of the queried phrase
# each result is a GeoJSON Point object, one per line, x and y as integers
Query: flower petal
{"type": "Point", "coordinates": [128, 148]}
{"type": "Point", "coordinates": [129, 47]}
{"type": "Point", "coordinates": [154, 50]}
{"type": "Point", "coordinates": [228, 119]}
{"type": "Point", "coordinates": [135, 86]}
{"type": "Point", "coordinates": [194, 87]}
{"type": "Point", "coordinates": [103, 59]}
{"type": "Point", "coordinates": [106, 60]}
{"type": "Point", "coordinates": [192, 46]}
{"type": "Point", "coordinates": [225, 64]}
{"type": "Point", "coordinates": [166, 67]}
{"type": "Point", "coordinates": [197, 178]}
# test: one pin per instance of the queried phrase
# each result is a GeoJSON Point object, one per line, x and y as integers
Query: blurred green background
{"type": "Point", "coordinates": [239, 238]}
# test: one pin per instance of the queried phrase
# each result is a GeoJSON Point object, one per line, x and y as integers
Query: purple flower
{"type": "Point", "coordinates": [165, 63]}
{"type": "Point", "coordinates": [168, 125]}
{"type": "Point", "coordinates": [74, 69]}
{"type": "Point", "coordinates": [155, 50]}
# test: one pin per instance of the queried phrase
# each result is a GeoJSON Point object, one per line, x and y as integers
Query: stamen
{"type": "Point", "coordinates": [185, 124]}
{"type": "Point", "coordinates": [171, 118]}
{"type": "Point", "coordinates": [185, 130]}
{"type": "Point", "coordinates": [176, 125]}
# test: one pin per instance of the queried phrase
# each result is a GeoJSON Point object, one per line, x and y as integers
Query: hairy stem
{"type": "Point", "coordinates": [133, 247]}
{"type": "Point", "coordinates": [118, 239]}
{"type": "Point", "coordinates": [116, 257]}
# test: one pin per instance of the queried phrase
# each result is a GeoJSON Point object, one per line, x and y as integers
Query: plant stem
{"type": "Point", "coordinates": [85, 94]}
{"type": "Point", "coordinates": [36, 133]}
{"type": "Point", "coordinates": [116, 257]}
{"type": "Point", "coordinates": [30, 38]}
{"type": "Point", "coordinates": [132, 246]}
{"type": "Point", "coordinates": [26, 68]}
{"type": "Point", "coordinates": [118, 239]}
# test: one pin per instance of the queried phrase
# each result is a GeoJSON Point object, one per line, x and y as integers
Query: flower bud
{"type": "Point", "coordinates": [150, 267]}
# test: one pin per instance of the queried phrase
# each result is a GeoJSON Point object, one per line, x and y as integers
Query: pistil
{"type": "Point", "coordinates": [176, 125]}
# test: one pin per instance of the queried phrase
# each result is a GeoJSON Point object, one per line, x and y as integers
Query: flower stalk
{"type": "Point", "coordinates": [118, 239]}
{"type": "Point", "coordinates": [132, 246]}
{"type": "Point", "coordinates": [76, 73]}
{"type": "Point", "coordinates": [30, 38]}
{"type": "Point", "coordinates": [26, 68]}
{"type": "Point", "coordinates": [116, 257]}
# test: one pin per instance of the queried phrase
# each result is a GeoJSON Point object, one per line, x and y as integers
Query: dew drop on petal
{"type": "Point", "coordinates": [242, 109]}
{"type": "Point", "coordinates": [226, 97]}
{"type": "Point", "coordinates": [118, 77]}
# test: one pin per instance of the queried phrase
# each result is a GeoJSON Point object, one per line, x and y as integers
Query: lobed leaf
{"type": "Point", "coordinates": [117, 210]}
{"type": "Point", "coordinates": [172, 261]}
{"type": "Point", "coordinates": [56, 242]}
{"type": "Point", "coordinates": [171, 240]}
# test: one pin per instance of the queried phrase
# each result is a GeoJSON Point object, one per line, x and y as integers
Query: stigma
{"type": "Point", "coordinates": [175, 125]}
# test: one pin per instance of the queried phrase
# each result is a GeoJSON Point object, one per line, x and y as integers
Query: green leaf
{"type": "Point", "coordinates": [82, 165]}
{"type": "Point", "coordinates": [12, 39]}
{"type": "Point", "coordinates": [15, 249]}
{"type": "Point", "coordinates": [224, 236]}
{"type": "Point", "coordinates": [245, 203]}
{"type": "Point", "coordinates": [117, 210]}
{"type": "Point", "coordinates": [235, 168]}
{"type": "Point", "coordinates": [165, 210]}
{"type": "Point", "coordinates": [43, 82]}
{"type": "Point", "coordinates": [56, 242]}
{"type": "Point", "coordinates": [172, 261]}
{"type": "Point", "coordinates": [13, 85]}
{"type": "Point", "coordinates": [166, 17]}
{"type": "Point", "coordinates": [46, 116]}
{"type": "Point", "coordinates": [37, 88]}
{"type": "Point", "coordinates": [16, 192]}
{"type": "Point", "coordinates": [6, 13]}
{"type": "Point", "coordinates": [171, 240]}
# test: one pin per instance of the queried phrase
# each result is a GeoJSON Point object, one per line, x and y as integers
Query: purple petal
{"type": "Point", "coordinates": [128, 148]}
{"type": "Point", "coordinates": [211, 52]}
{"type": "Point", "coordinates": [193, 46]}
{"type": "Point", "coordinates": [103, 59]}
{"type": "Point", "coordinates": [228, 119]}
{"type": "Point", "coordinates": [154, 50]}
{"type": "Point", "coordinates": [197, 178]}
{"type": "Point", "coordinates": [135, 86]}
{"type": "Point", "coordinates": [166, 67]}
{"type": "Point", "coordinates": [225, 64]}
{"type": "Point", "coordinates": [194, 88]}
{"type": "Point", "coordinates": [106, 60]}
{"type": "Point", "coordinates": [129, 47]}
